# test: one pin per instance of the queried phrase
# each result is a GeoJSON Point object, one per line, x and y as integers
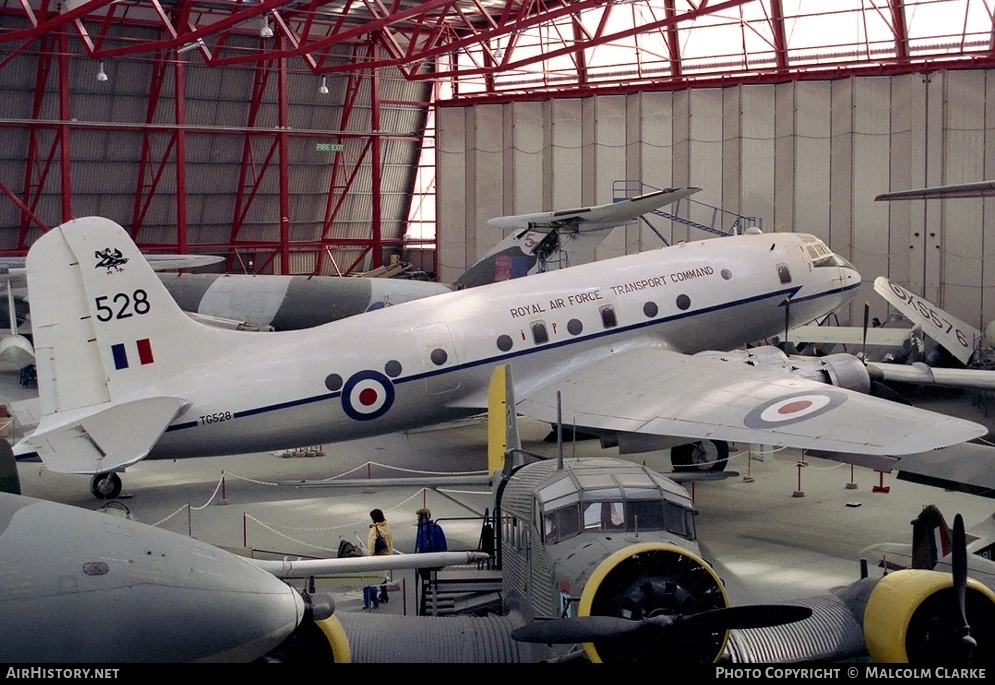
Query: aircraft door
{"type": "Point", "coordinates": [438, 357]}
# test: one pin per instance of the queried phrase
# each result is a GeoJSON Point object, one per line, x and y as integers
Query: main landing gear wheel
{"type": "Point", "coordinates": [705, 455]}
{"type": "Point", "coordinates": [105, 485]}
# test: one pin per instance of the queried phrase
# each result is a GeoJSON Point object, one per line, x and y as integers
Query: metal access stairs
{"type": "Point", "coordinates": [688, 212]}
{"type": "Point", "coordinates": [459, 592]}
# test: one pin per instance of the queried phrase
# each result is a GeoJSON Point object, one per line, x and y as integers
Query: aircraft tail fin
{"type": "Point", "coordinates": [502, 419]}
{"type": "Point", "coordinates": [930, 538]}
{"type": "Point", "coordinates": [104, 326]}
{"type": "Point", "coordinates": [957, 337]}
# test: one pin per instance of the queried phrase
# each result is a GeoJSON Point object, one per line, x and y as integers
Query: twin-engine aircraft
{"type": "Point", "coordinates": [124, 374]}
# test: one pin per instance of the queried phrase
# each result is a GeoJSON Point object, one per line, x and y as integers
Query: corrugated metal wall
{"type": "Point", "coordinates": [807, 156]}
{"type": "Point", "coordinates": [105, 163]}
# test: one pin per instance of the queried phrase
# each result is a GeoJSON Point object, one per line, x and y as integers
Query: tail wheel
{"type": "Point", "coordinates": [648, 580]}
{"type": "Point", "coordinates": [105, 485]}
{"type": "Point", "coordinates": [704, 455]}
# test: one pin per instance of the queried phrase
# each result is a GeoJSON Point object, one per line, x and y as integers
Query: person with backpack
{"type": "Point", "coordinates": [430, 537]}
{"type": "Point", "coordinates": [379, 542]}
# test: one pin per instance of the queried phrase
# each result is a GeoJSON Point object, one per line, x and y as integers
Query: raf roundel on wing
{"type": "Point", "coordinates": [793, 408]}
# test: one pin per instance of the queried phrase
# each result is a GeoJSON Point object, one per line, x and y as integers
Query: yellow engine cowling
{"type": "Point", "coordinates": [314, 642]}
{"type": "Point", "coordinates": [903, 604]}
{"type": "Point", "coordinates": [648, 579]}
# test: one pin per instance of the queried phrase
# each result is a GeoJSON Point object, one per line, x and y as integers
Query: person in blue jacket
{"type": "Point", "coordinates": [430, 537]}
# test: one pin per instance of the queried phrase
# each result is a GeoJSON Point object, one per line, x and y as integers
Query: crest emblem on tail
{"type": "Point", "coordinates": [110, 259]}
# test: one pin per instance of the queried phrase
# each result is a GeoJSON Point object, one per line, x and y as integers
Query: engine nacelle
{"type": "Point", "coordinates": [842, 370]}
{"type": "Point", "coordinates": [645, 580]}
{"type": "Point", "coordinates": [912, 616]}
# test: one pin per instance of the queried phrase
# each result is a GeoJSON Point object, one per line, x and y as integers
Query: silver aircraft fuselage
{"type": "Point", "coordinates": [429, 361]}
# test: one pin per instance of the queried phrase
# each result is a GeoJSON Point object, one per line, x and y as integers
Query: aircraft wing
{"type": "Point", "coordinates": [12, 268]}
{"type": "Point", "coordinates": [596, 218]}
{"type": "Point", "coordinates": [662, 392]}
{"type": "Point", "coordinates": [979, 189]}
{"type": "Point", "coordinates": [849, 335]}
{"type": "Point", "coordinates": [921, 374]}
{"type": "Point", "coordinates": [959, 338]}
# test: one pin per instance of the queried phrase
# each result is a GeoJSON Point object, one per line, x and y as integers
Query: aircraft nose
{"type": "Point", "coordinates": [245, 623]}
{"type": "Point", "coordinates": [130, 592]}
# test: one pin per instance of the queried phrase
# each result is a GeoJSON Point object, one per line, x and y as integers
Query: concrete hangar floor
{"type": "Point", "coordinates": [767, 543]}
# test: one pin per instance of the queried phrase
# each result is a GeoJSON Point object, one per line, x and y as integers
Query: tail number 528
{"type": "Point", "coordinates": [122, 305]}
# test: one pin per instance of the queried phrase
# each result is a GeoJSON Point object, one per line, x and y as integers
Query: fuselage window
{"type": "Point", "coordinates": [650, 310]}
{"type": "Point", "coordinates": [783, 273]}
{"type": "Point", "coordinates": [575, 327]}
{"type": "Point", "coordinates": [608, 316]}
{"type": "Point", "coordinates": [504, 343]}
{"type": "Point", "coordinates": [539, 333]}
{"type": "Point", "coordinates": [439, 356]}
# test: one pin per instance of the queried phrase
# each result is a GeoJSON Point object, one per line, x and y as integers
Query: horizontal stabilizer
{"type": "Point", "coordinates": [103, 438]}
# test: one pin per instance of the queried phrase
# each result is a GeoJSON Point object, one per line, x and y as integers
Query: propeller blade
{"type": "Point", "coordinates": [596, 628]}
{"type": "Point", "coordinates": [787, 318]}
{"type": "Point", "coordinates": [580, 629]}
{"type": "Point", "coordinates": [867, 314]}
{"type": "Point", "coordinates": [745, 617]}
{"type": "Point", "coordinates": [959, 562]}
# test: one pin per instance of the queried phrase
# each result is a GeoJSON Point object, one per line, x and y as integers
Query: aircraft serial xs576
{"type": "Point", "coordinates": [124, 374]}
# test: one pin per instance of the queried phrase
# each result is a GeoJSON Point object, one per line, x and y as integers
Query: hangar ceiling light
{"type": "Point", "coordinates": [266, 31]}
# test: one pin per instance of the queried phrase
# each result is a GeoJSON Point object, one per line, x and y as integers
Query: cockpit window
{"type": "Point", "coordinates": [561, 523]}
{"type": "Point", "coordinates": [604, 516]}
{"type": "Point", "coordinates": [822, 256]}
{"type": "Point", "coordinates": [630, 516]}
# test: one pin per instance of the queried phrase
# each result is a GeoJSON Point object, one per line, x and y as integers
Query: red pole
{"type": "Point", "coordinates": [223, 487]}
{"type": "Point", "coordinates": [245, 533]}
